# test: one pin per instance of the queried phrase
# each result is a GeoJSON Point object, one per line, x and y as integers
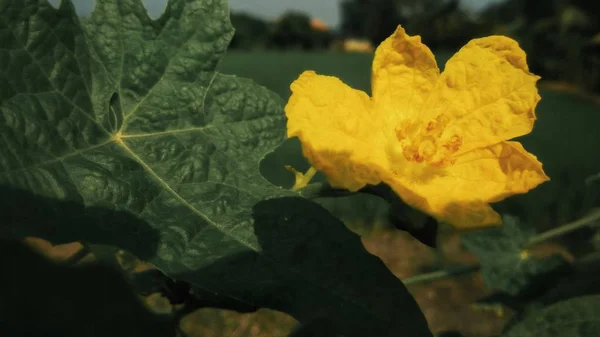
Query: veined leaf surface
{"type": "Point", "coordinates": [130, 114]}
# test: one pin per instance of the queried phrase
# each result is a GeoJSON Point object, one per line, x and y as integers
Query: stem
{"type": "Point", "coordinates": [436, 275]}
{"type": "Point", "coordinates": [591, 179]}
{"type": "Point", "coordinates": [589, 219]}
{"type": "Point", "coordinates": [302, 179]}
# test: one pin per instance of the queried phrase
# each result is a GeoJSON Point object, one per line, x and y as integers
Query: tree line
{"type": "Point", "coordinates": [561, 37]}
{"type": "Point", "coordinates": [293, 30]}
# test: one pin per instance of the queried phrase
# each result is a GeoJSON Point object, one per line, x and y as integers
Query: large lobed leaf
{"type": "Point", "coordinates": [120, 131]}
{"type": "Point", "coordinates": [130, 114]}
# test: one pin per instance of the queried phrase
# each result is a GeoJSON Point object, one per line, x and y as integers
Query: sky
{"type": "Point", "coordinates": [326, 10]}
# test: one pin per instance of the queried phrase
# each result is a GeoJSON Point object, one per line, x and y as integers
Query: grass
{"type": "Point", "coordinates": [276, 70]}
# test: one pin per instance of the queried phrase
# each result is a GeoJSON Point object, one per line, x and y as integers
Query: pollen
{"type": "Point", "coordinates": [427, 148]}
{"type": "Point", "coordinates": [433, 145]}
{"type": "Point", "coordinates": [453, 144]}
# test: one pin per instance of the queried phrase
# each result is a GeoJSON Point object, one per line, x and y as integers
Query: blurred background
{"type": "Point", "coordinates": [561, 37]}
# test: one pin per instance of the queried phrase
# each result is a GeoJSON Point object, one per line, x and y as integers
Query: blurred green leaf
{"type": "Point", "coordinates": [505, 264]}
{"type": "Point", "coordinates": [572, 16]}
{"type": "Point", "coordinates": [577, 317]}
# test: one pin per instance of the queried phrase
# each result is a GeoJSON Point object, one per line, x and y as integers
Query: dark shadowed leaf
{"type": "Point", "coordinates": [42, 298]}
{"type": "Point", "coordinates": [362, 213]}
{"type": "Point", "coordinates": [372, 208]}
{"type": "Point", "coordinates": [313, 268]}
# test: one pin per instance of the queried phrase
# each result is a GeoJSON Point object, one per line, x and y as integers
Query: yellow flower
{"type": "Point", "coordinates": [440, 141]}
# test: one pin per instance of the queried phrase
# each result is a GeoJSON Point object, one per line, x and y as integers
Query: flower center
{"type": "Point", "coordinates": [433, 144]}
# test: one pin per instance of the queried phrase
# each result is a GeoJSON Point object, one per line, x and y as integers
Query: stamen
{"type": "Point", "coordinates": [433, 144]}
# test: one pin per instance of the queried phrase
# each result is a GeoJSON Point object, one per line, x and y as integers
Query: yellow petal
{"type": "Point", "coordinates": [459, 194]}
{"type": "Point", "coordinates": [338, 129]}
{"type": "Point", "coordinates": [403, 73]}
{"type": "Point", "coordinates": [485, 95]}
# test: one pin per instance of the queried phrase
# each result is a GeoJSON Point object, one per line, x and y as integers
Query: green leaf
{"type": "Point", "coordinates": [121, 132]}
{"type": "Point", "coordinates": [505, 264]}
{"type": "Point", "coordinates": [43, 298]}
{"type": "Point", "coordinates": [129, 114]}
{"type": "Point", "coordinates": [577, 317]}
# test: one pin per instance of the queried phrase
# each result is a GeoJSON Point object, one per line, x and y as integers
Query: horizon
{"type": "Point", "coordinates": [324, 10]}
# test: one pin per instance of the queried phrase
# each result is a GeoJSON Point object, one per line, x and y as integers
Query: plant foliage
{"type": "Point", "coordinates": [120, 131]}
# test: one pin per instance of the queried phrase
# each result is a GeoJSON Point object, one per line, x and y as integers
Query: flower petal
{"type": "Point", "coordinates": [459, 194]}
{"type": "Point", "coordinates": [403, 73]}
{"type": "Point", "coordinates": [339, 130]}
{"type": "Point", "coordinates": [486, 93]}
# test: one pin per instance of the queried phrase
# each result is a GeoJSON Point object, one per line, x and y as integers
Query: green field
{"type": "Point", "coordinates": [276, 70]}
{"type": "Point", "coordinates": [565, 136]}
